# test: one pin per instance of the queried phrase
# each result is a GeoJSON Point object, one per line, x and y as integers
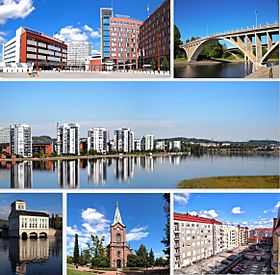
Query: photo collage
{"type": "Point", "coordinates": [139, 137]}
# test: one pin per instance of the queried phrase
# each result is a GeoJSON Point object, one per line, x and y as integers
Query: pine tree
{"type": "Point", "coordinates": [151, 258]}
{"type": "Point", "coordinates": [142, 256]}
{"type": "Point", "coordinates": [76, 254]}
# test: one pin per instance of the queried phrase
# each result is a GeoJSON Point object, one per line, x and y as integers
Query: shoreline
{"type": "Point", "coordinates": [121, 155]}
{"type": "Point", "coordinates": [207, 62]}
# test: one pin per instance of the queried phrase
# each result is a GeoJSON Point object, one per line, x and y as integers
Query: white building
{"type": "Point", "coordinates": [4, 135]}
{"type": "Point", "coordinates": [97, 140]}
{"type": "Point", "coordinates": [160, 145]}
{"type": "Point", "coordinates": [124, 140]}
{"type": "Point", "coordinates": [137, 145]}
{"type": "Point", "coordinates": [147, 143]}
{"type": "Point", "coordinates": [175, 145]}
{"type": "Point", "coordinates": [77, 53]}
{"type": "Point", "coordinates": [27, 224]}
{"type": "Point", "coordinates": [21, 140]}
{"type": "Point", "coordinates": [68, 139]}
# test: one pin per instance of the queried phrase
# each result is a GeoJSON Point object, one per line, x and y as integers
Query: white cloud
{"type": "Point", "coordinates": [181, 198]}
{"type": "Point", "coordinates": [193, 213]}
{"type": "Point", "coordinates": [92, 215]}
{"type": "Point", "coordinates": [12, 9]}
{"type": "Point", "coordinates": [208, 213]}
{"type": "Point", "coordinates": [137, 233]}
{"type": "Point", "coordinates": [237, 210]}
{"type": "Point", "coordinates": [76, 34]}
{"type": "Point", "coordinates": [71, 231]}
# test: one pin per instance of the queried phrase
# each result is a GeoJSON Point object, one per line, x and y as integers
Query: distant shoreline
{"type": "Point", "coordinates": [222, 153]}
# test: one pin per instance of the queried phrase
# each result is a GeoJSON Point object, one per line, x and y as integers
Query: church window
{"type": "Point", "coordinates": [118, 237]}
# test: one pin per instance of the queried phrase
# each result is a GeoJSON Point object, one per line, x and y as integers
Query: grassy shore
{"type": "Point", "coordinates": [76, 272]}
{"type": "Point", "coordinates": [231, 182]}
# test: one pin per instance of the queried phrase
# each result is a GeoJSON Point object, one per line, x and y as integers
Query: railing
{"type": "Point", "coordinates": [247, 29]}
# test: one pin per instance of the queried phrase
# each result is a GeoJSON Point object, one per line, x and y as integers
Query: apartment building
{"type": "Point", "coordinates": [97, 140]}
{"type": "Point", "coordinates": [78, 53]}
{"type": "Point", "coordinates": [197, 238]}
{"type": "Point", "coordinates": [21, 140]}
{"type": "Point", "coordinates": [259, 235]}
{"type": "Point", "coordinates": [68, 139]}
{"type": "Point", "coordinates": [243, 234]}
{"type": "Point", "coordinates": [4, 135]}
{"type": "Point", "coordinates": [30, 46]}
{"type": "Point", "coordinates": [175, 145]}
{"type": "Point", "coordinates": [147, 143]}
{"type": "Point", "coordinates": [137, 145]}
{"type": "Point", "coordinates": [160, 145]}
{"type": "Point", "coordinates": [124, 140]}
{"type": "Point", "coordinates": [154, 37]}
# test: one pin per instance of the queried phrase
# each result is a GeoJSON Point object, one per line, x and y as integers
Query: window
{"type": "Point", "coordinates": [118, 237]}
{"type": "Point", "coordinates": [118, 253]}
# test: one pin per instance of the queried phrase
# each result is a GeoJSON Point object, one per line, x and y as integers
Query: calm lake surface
{"type": "Point", "coordinates": [224, 70]}
{"type": "Point", "coordinates": [131, 172]}
{"type": "Point", "coordinates": [41, 256]}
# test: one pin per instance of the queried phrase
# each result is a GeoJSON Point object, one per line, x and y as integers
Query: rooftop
{"type": "Point", "coordinates": [191, 218]}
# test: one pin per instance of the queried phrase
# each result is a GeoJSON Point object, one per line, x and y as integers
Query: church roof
{"type": "Point", "coordinates": [117, 217]}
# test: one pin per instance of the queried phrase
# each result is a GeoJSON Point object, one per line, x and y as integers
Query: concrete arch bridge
{"type": "Point", "coordinates": [246, 40]}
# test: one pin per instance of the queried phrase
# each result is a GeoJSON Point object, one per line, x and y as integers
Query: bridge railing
{"type": "Point", "coordinates": [247, 29]}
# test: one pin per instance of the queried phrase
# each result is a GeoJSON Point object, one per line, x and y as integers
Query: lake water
{"type": "Point", "coordinates": [131, 172]}
{"type": "Point", "coordinates": [223, 70]}
{"type": "Point", "coordinates": [24, 257]}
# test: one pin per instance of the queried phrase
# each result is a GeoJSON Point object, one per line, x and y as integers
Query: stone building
{"type": "Point", "coordinates": [27, 224]}
{"type": "Point", "coordinates": [118, 249]}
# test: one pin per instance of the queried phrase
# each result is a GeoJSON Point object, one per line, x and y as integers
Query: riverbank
{"type": "Point", "coordinates": [95, 157]}
{"type": "Point", "coordinates": [231, 182]}
{"type": "Point", "coordinates": [265, 72]}
{"type": "Point", "coordinates": [206, 62]}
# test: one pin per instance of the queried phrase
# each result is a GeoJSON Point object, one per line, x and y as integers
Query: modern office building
{"type": "Point", "coordinates": [105, 15]}
{"type": "Point", "coordinates": [30, 46]}
{"type": "Point", "coordinates": [147, 143]}
{"type": "Point", "coordinates": [97, 140]}
{"type": "Point", "coordinates": [118, 248]}
{"type": "Point", "coordinates": [77, 54]}
{"type": "Point", "coordinates": [154, 37]}
{"type": "Point", "coordinates": [124, 140]}
{"type": "Point", "coordinates": [27, 224]}
{"type": "Point", "coordinates": [68, 139]}
{"type": "Point", "coordinates": [21, 140]}
{"type": "Point", "coordinates": [119, 38]}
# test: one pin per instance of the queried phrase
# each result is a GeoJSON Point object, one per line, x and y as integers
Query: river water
{"type": "Point", "coordinates": [219, 70]}
{"type": "Point", "coordinates": [131, 172]}
{"type": "Point", "coordinates": [32, 256]}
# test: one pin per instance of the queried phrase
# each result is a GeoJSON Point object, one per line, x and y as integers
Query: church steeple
{"type": "Point", "coordinates": [117, 217]}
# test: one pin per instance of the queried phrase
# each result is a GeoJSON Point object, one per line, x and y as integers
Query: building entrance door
{"type": "Point", "coordinates": [119, 264]}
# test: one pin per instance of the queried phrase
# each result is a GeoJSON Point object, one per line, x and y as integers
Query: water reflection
{"type": "Point", "coordinates": [24, 252]}
{"type": "Point", "coordinates": [142, 171]}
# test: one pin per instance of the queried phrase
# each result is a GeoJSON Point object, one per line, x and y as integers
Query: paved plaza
{"type": "Point", "coordinates": [84, 75]}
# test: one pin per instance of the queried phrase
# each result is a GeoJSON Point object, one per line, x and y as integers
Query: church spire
{"type": "Point", "coordinates": [117, 217]}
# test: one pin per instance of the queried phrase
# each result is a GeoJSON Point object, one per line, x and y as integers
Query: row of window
{"type": "Point", "coordinates": [34, 223]}
{"type": "Point", "coordinates": [125, 23]}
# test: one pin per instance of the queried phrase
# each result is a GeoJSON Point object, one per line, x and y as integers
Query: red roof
{"type": "Point", "coordinates": [190, 218]}
{"type": "Point", "coordinates": [262, 229]}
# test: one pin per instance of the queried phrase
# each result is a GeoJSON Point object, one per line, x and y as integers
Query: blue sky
{"type": "Point", "coordinates": [203, 17]}
{"type": "Point", "coordinates": [142, 214]}
{"type": "Point", "coordinates": [74, 20]}
{"type": "Point", "coordinates": [252, 210]}
{"type": "Point", "coordinates": [219, 110]}
{"type": "Point", "coordinates": [49, 203]}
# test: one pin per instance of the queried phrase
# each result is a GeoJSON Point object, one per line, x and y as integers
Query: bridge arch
{"type": "Point", "coordinates": [270, 52]}
{"type": "Point", "coordinates": [198, 49]}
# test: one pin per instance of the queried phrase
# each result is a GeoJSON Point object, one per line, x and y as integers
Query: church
{"type": "Point", "coordinates": [118, 249]}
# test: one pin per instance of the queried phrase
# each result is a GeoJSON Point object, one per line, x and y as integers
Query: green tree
{"type": "Point", "coordinates": [153, 65]}
{"type": "Point", "coordinates": [142, 256]}
{"type": "Point", "coordinates": [76, 254]}
{"type": "Point", "coordinates": [212, 50]}
{"type": "Point", "coordinates": [166, 239]}
{"type": "Point", "coordinates": [151, 258]}
{"type": "Point", "coordinates": [132, 260]}
{"type": "Point", "coordinates": [165, 64]}
{"type": "Point", "coordinates": [97, 250]}
{"type": "Point", "coordinates": [177, 41]}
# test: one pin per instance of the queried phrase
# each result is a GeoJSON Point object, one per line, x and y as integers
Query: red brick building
{"type": "Point", "coordinates": [118, 249]}
{"type": "Point", "coordinates": [45, 147]}
{"type": "Point", "coordinates": [154, 37]}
